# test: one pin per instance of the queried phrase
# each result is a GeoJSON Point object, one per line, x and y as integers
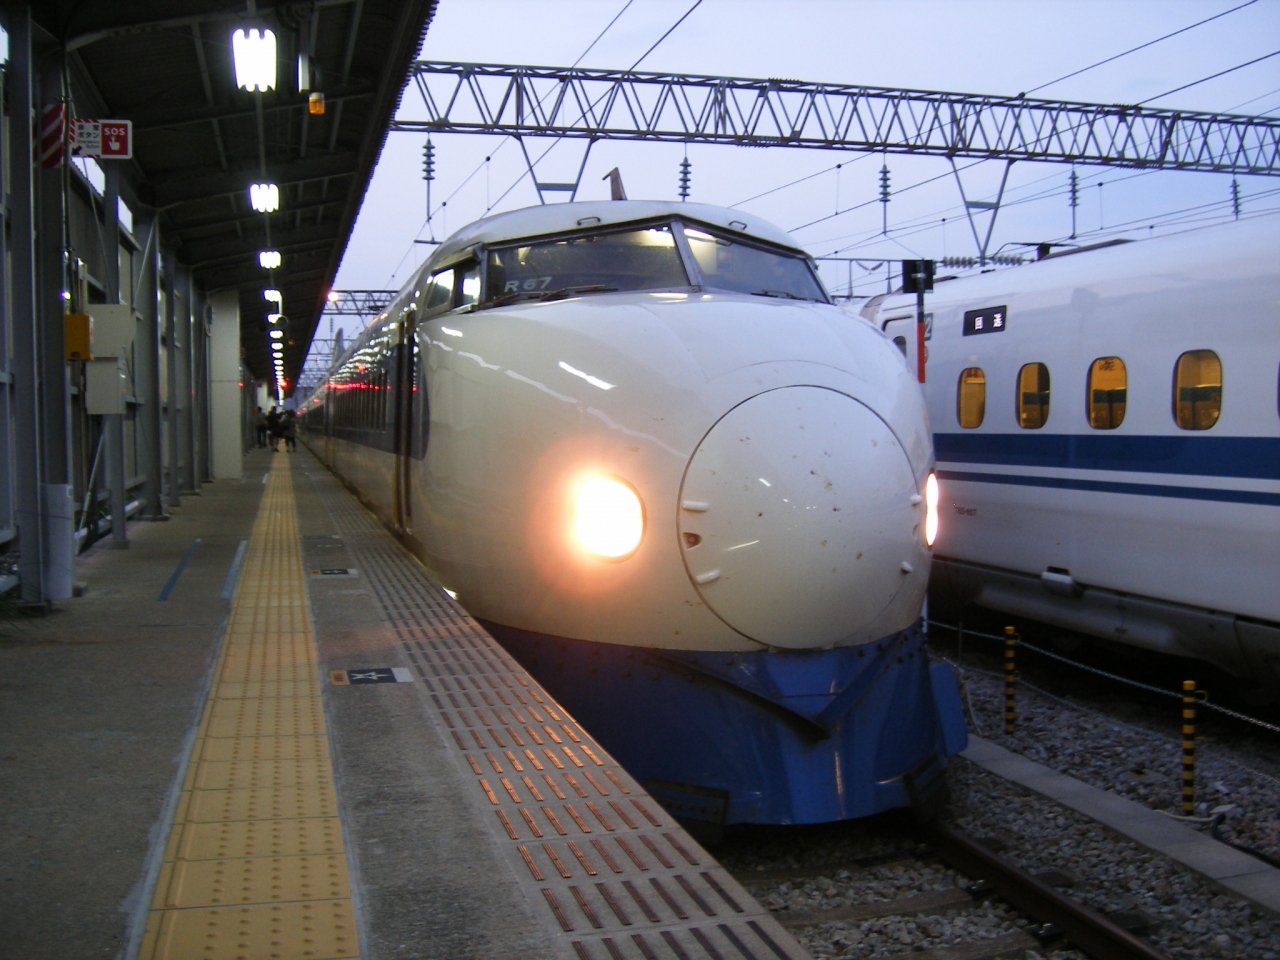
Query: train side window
{"type": "Point", "coordinates": [1033, 396]}
{"type": "Point", "coordinates": [971, 397]}
{"type": "Point", "coordinates": [1108, 390]}
{"type": "Point", "coordinates": [1197, 390]}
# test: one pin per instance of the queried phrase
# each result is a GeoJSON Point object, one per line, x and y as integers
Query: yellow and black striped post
{"type": "Point", "coordinates": [1010, 640]}
{"type": "Point", "coordinates": [1188, 747]}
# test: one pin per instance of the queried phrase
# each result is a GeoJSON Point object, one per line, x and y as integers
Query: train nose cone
{"type": "Point", "coordinates": [797, 521]}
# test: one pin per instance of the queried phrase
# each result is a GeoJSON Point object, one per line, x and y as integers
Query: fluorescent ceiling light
{"type": "Point", "coordinates": [273, 295]}
{"type": "Point", "coordinates": [276, 334]}
{"type": "Point", "coordinates": [254, 52]}
{"type": "Point", "coordinates": [270, 259]}
{"type": "Point", "coordinates": [264, 197]}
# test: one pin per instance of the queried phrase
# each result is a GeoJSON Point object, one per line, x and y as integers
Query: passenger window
{"type": "Point", "coordinates": [1197, 390]}
{"type": "Point", "coordinates": [440, 294]}
{"type": "Point", "coordinates": [1033, 396]}
{"type": "Point", "coordinates": [1108, 387]}
{"type": "Point", "coordinates": [971, 397]}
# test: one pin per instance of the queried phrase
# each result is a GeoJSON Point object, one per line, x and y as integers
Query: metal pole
{"type": "Point", "coordinates": [1188, 747]}
{"type": "Point", "coordinates": [186, 395]}
{"type": "Point", "coordinates": [1010, 641]}
{"type": "Point", "coordinates": [920, 279]}
{"type": "Point", "coordinates": [29, 510]}
{"type": "Point", "coordinates": [113, 423]}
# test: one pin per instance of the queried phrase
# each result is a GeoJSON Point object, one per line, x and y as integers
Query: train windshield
{"type": "Point", "coordinates": [729, 264]}
{"type": "Point", "coordinates": [637, 259]}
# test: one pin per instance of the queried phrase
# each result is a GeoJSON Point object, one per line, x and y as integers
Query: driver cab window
{"type": "Point", "coordinates": [455, 286]}
{"type": "Point", "coordinates": [440, 293]}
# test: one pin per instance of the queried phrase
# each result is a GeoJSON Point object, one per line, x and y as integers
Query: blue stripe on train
{"type": "Point", "coordinates": [1108, 486]}
{"type": "Point", "coordinates": [1251, 458]}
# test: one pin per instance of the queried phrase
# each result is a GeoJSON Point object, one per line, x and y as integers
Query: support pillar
{"type": "Point", "coordinates": [146, 364]}
{"type": "Point", "coordinates": [225, 421]}
{"type": "Point", "coordinates": [113, 423]}
{"type": "Point", "coordinates": [172, 398]}
{"type": "Point", "coordinates": [27, 474]}
{"type": "Point", "coordinates": [185, 380]}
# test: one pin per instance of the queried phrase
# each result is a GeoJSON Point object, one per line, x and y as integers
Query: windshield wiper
{"type": "Point", "coordinates": [780, 294]}
{"type": "Point", "coordinates": [571, 291]}
{"type": "Point", "coordinates": [542, 295]}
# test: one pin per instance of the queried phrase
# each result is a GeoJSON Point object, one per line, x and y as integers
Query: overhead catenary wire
{"type": "Point", "coordinates": [1212, 76]}
{"type": "Point", "coordinates": [1142, 46]}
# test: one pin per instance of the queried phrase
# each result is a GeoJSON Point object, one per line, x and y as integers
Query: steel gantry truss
{"type": "Point", "coordinates": [629, 105]}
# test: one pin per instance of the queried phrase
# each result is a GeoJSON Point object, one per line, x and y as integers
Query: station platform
{"type": "Point", "coordinates": [264, 732]}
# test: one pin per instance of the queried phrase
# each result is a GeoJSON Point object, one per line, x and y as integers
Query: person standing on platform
{"type": "Point", "coordinates": [260, 426]}
{"type": "Point", "coordinates": [273, 428]}
{"type": "Point", "coordinates": [289, 430]}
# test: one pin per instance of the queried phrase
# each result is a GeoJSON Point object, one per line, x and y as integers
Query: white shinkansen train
{"type": "Point", "coordinates": [1108, 438]}
{"type": "Point", "coordinates": [641, 446]}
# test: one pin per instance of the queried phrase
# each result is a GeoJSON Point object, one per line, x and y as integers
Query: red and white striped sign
{"type": "Point", "coordinates": [49, 139]}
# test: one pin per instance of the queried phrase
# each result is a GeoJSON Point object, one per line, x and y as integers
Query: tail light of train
{"type": "Point", "coordinates": [608, 517]}
{"type": "Point", "coordinates": [931, 510]}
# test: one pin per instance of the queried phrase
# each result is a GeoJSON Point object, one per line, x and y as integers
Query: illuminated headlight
{"type": "Point", "coordinates": [609, 517]}
{"type": "Point", "coordinates": [931, 510]}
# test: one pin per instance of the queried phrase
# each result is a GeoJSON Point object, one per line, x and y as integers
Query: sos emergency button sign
{"type": "Point", "coordinates": [106, 139]}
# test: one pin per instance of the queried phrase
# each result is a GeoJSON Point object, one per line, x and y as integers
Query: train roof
{"type": "Point", "coordinates": [562, 217]}
{"type": "Point", "coordinates": [1221, 249]}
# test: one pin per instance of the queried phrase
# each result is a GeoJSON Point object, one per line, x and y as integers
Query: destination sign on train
{"type": "Point", "coordinates": [986, 320]}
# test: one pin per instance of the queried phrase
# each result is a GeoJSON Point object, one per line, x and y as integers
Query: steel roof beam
{"type": "Point", "coordinates": [688, 108]}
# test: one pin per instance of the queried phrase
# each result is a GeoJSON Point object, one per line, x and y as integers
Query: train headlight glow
{"type": "Point", "coordinates": [608, 517]}
{"type": "Point", "coordinates": [931, 510]}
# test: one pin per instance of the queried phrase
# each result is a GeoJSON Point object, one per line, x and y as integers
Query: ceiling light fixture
{"type": "Point", "coordinates": [254, 52]}
{"type": "Point", "coordinates": [269, 259]}
{"type": "Point", "coordinates": [273, 295]}
{"type": "Point", "coordinates": [276, 334]}
{"type": "Point", "coordinates": [264, 197]}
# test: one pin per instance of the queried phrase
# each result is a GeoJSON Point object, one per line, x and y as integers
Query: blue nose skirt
{"type": "Point", "coordinates": [760, 737]}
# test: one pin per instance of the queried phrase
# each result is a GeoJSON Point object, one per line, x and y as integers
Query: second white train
{"type": "Point", "coordinates": [1107, 427]}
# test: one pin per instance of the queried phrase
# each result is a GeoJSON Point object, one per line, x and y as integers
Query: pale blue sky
{"type": "Point", "coordinates": [977, 46]}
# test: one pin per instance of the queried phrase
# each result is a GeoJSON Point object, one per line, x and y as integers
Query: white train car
{"type": "Point", "coordinates": [1108, 439]}
{"type": "Point", "coordinates": [641, 446]}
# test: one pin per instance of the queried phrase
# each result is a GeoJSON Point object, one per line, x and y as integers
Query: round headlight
{"type": "Point", "coordinates": [609, 517]}
{"type": "Point", "coordinates": [931, 510]}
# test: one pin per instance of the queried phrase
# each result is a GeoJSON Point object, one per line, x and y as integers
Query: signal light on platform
{"type": "Point", "coordinates": [315, 104]}
{"type": "Point", "coordinates": [254, 53]}
{"type": "Point", "coordinates": [264, 197]}
{"type": "Point", "coordinates": [269, 259]}
{"type": "Point", "coordinates": [931, 510]}
{"type": "Point", "coordinates": [609, 517]}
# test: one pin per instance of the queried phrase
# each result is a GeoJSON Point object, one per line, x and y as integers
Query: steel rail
{"type": "Point", "coordinates": [689, 108]}
{"type": "Point", "coordinates": [1086, 928]}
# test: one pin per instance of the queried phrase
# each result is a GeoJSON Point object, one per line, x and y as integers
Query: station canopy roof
{"type": "Point", "coordinates": [200, 141]}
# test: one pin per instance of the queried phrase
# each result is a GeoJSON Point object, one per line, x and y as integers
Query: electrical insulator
{"type": "Point", "coordinates": [884, 184]}
{"type": "Point", "coordinates": [428, 161]}
{"type": "Point", "coordinates": [684, 178]}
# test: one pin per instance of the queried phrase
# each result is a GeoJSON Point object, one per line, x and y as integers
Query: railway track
{"type": "Point", "coordinates": [928, 891]}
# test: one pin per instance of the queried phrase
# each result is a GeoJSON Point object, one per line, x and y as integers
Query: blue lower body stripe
{"type": "Point", "coordinates": [1110, 486]}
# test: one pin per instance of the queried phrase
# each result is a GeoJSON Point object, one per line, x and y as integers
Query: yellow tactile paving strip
{"type": "Point", "coordinates": [254, 868]}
